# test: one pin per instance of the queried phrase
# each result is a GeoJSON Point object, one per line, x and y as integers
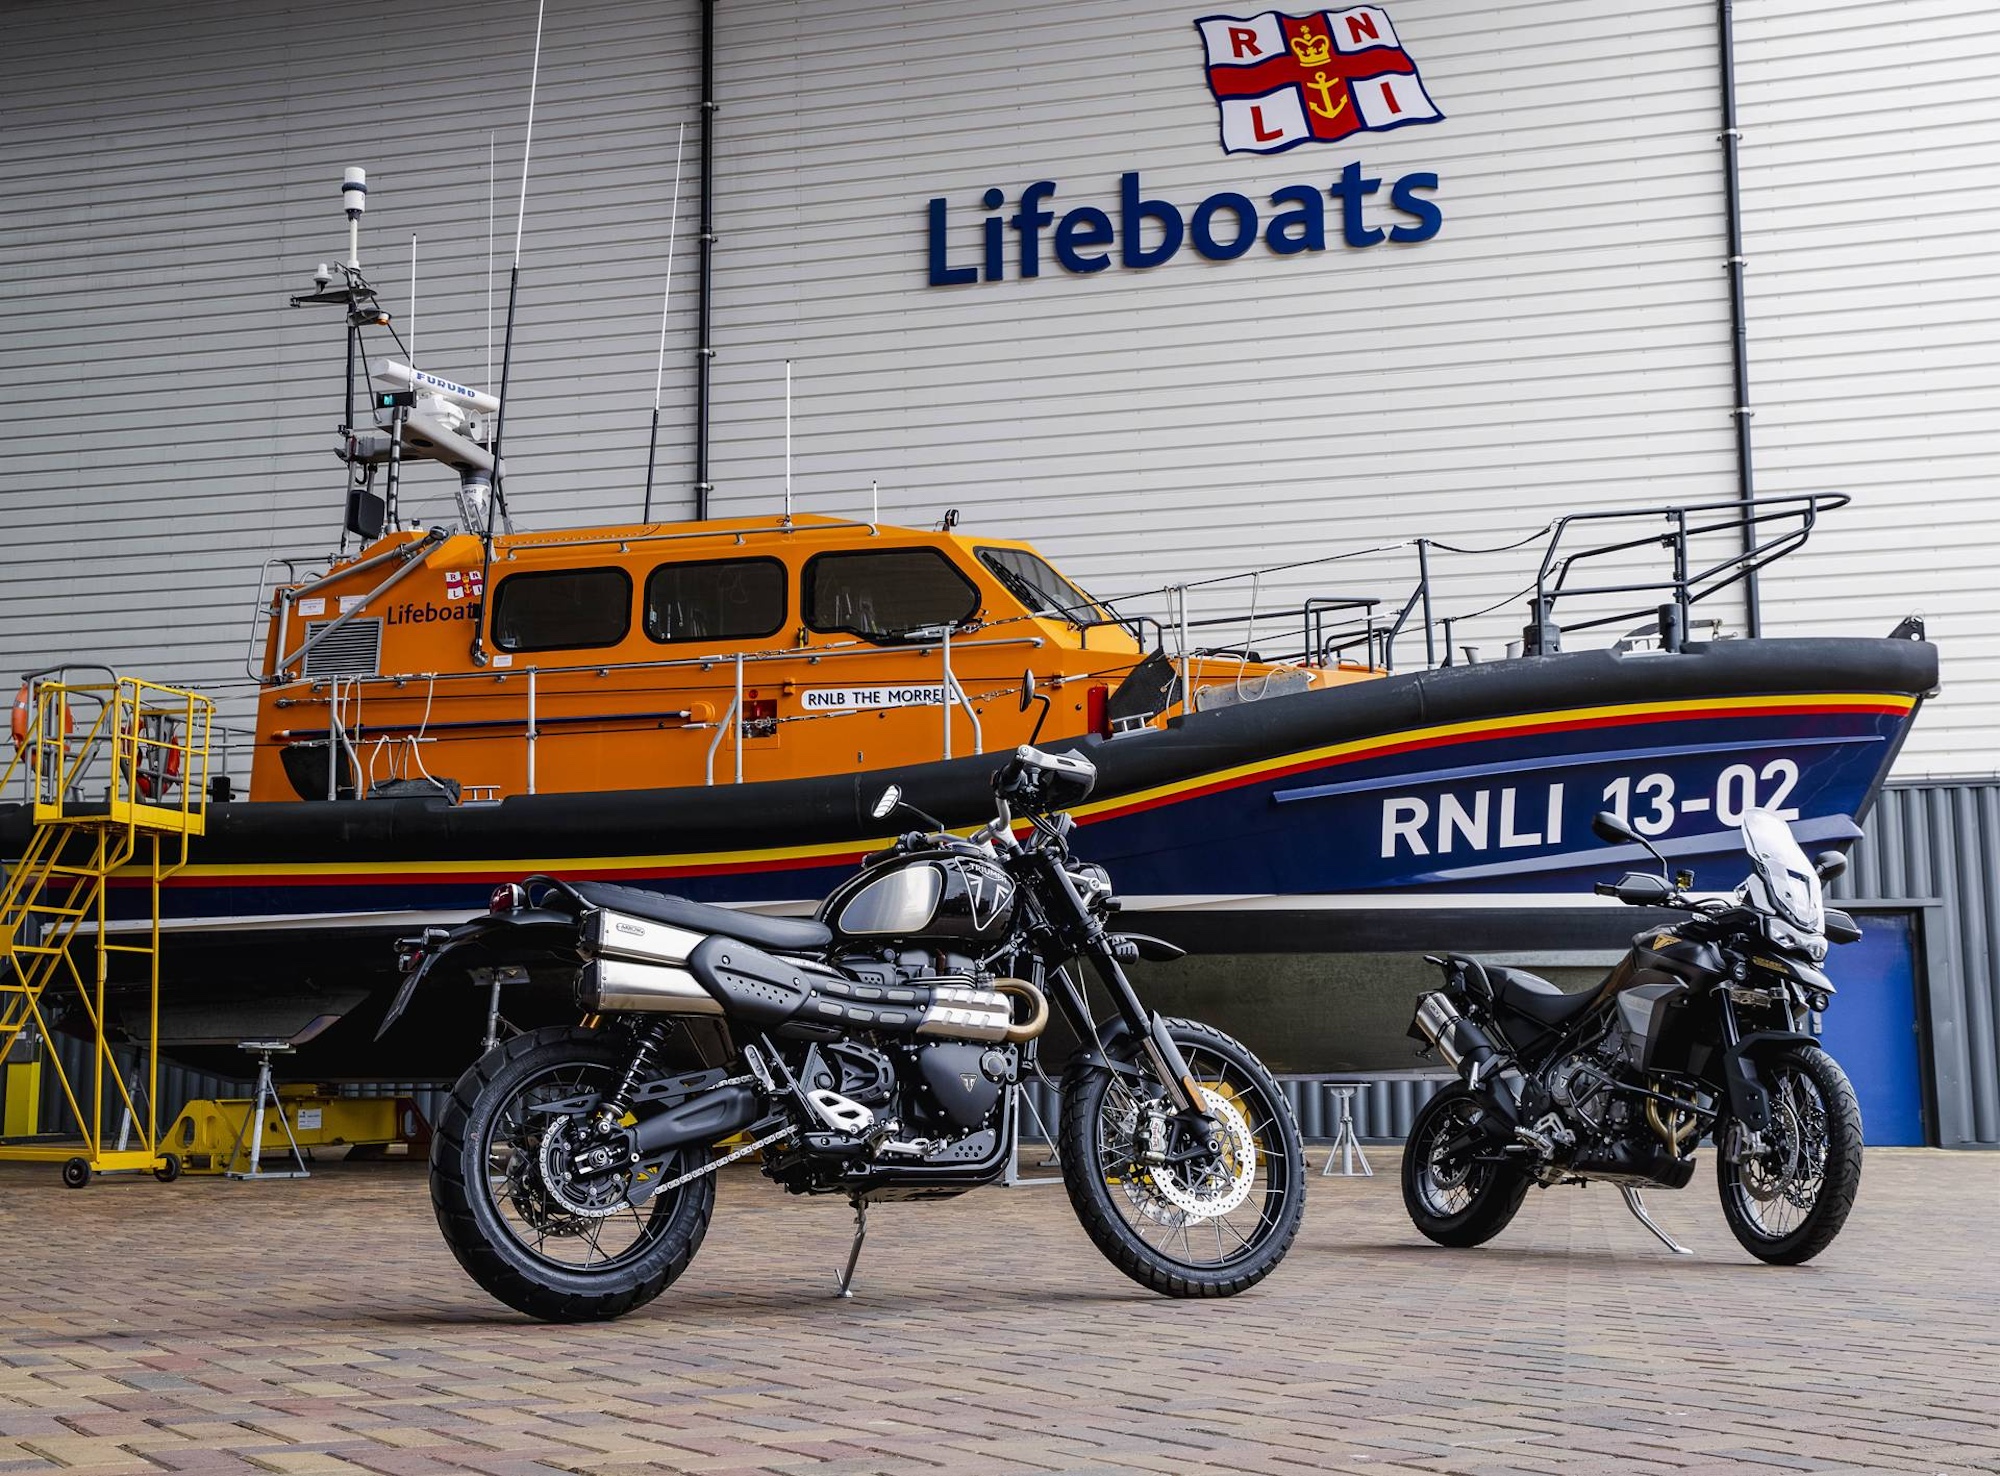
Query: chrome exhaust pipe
{"type": "Point", "coordinates": [615, 986]}
{"type": "Point", "coordinates": [1470, 1051]}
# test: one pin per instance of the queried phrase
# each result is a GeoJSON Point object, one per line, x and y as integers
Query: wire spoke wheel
{"type": "Point", "coordinates": [1787, 1190]}
{"type": "Point", "coordinates": [1457, 1194]}
{"type": "Point", "coordinates": [524, 1220]}
{"type": "Point", "coordinates": [581, 1224]}
{"type": "Point", "coordinates": [1449, 1178]}
{"type": "Point", "coordinates": [1202, 1222]}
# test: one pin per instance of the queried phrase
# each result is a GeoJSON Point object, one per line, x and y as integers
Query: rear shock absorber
{"type": "Point", "coordinates": [650, 1036]}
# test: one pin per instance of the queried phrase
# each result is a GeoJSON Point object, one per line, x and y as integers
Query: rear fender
{"type": "Point", "coordinates": [529, 935]}
{"type": "Point", "coordinates": [1749, 1102]}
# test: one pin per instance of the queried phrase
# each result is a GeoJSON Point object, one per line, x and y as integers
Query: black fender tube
{"type": "Point", "coordinates": [708, 1118]}
{"type": "Point", "coordinates": [1749, 1103]}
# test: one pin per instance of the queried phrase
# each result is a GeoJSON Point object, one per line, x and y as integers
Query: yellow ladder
{"type": "Point", "coordinates": [118, 794]}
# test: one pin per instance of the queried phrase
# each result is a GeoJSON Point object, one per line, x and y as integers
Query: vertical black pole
{"type": "Point", "coordinates": [1424, 584]}
{"type": "Point", "coordinates": [496, 499]}
{"type": "Point", "coordinates": [704, 350]}
{"type": "Point", "coordinates": [1738, 316]}
{"type": "Point", "coordinates": [652, 454]}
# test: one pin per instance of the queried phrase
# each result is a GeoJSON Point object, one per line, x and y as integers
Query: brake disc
{"type": "Point", "coordinates": [1206, 1192]}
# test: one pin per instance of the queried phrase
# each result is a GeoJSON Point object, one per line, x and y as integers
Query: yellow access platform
{"type": "Point", "coordinates": [117, 769]}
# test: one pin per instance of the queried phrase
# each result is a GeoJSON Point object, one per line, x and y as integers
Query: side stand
{"type": "Point", "coordinates": [845, 1281]}
{"type": "Point", "coordinates": [253, 1120]}
{"type": "Point", "coordinates": [1638, 1207]}
{"type": "Point", "coordinates": [1346, 1142]}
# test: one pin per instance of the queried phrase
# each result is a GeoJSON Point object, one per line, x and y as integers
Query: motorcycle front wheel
{"type": "Point", "coordinates": [1195, 1229]}
{"type": "Point", "coordinates": [1786, 1198]}
{"type": "Point", "coordinates": [555, 1246]}
{"type": "Point", "coordinates": [1452, 1197]}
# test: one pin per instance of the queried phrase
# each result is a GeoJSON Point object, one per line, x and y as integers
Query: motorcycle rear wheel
{"type": "Point", "coordinates": [510, 1231]}
{"type": "Point", "coordinates": [1787, 1204]}
{"type": "Point", "coordinates": [1155, 1225]}
{"type": "Point", "coordinates": [1451, 1200]}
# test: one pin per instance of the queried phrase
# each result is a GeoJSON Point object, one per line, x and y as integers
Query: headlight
{"type": "Point", "coordinates": [1783, 935]}
{"type": "Point", "coordinates": [1092, 882]}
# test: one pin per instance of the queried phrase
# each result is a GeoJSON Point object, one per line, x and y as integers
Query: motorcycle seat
{"type": "Point", "coordinates": [782, 934]}
{"type": "Point", "coordinates": [1532, 995]}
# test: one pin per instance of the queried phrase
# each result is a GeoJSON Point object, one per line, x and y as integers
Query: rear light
{"type": "Point", "coordinates": [508, 897]}
{"type": "Point", "coordinates": [1097, 711]}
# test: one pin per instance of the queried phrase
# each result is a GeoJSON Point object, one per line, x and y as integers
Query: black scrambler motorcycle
{"type": "Point", "coordinates": [875, 1052]}
{"type": "Point", "coordinates": [1700, 1031]}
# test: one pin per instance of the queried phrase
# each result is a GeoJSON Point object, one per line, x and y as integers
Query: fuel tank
{"type": "Point", "coordinates": [943, 897]}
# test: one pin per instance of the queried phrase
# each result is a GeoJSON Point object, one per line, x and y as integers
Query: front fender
{"type": "Point", "coordinates": [1749, 1102]}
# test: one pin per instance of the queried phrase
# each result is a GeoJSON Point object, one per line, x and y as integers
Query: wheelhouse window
{"type": "Point", "coordinates": [716, 600]}
{"type": "Point", "coordinates": [1030, 580]}
{"type": "Point", "coordinates": [887, 595]}
{"type": "Point", "coordinates": [562, 609]}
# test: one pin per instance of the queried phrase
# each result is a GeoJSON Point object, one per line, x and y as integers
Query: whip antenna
{"type": "Point", "coordinates": [412, 345]}
{"type": "Point", "coordinates": [788, 441]}
{"type": "Point", "coordinates": [496, 504]}
{"type": "Point", "coordinates": [666, 300]}
{"type": "Point", "coordinates": [489, 259]}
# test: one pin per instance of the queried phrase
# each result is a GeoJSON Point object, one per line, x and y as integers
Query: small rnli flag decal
{"type": "Point", "coordinates": [1284, 80]}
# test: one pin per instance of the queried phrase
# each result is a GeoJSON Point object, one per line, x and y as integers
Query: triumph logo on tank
{"type": "Point", "coordinates": [1285, 80]}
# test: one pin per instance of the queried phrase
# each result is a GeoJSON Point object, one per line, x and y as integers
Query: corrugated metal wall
{"type": "Point", "coordinates": [1563, 341]}
{"type": "Point", "coordinates": [1941, 842]}
{"type": "Point", "coordinates": [164, 417]}
{"type": "Point", "coordinates": [1875, 327]}
{"type": "Point", "coordinates": [166, 420]}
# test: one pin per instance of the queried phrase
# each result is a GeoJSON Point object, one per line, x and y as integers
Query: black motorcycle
{"type": "Point", "coordinates": [876, 1052]}
{"type": "Point", "coordinates": [1702, 1030]}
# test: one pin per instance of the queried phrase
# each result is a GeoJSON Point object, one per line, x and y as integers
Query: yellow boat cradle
{"type": "Point", "coordinates": [117, 769]}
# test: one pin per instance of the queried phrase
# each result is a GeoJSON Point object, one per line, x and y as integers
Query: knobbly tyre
{"type": "Point", "coordinates": [1701, 1031]}
{"type": "Point", "coordinates": [875, 1052]}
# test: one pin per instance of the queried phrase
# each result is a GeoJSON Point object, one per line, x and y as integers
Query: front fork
{"type": "Point", "coordinates": [1088, 937]}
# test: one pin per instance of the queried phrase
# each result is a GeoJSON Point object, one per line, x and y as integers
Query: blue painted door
{"type": "Point", "coordinates": [1872, 1028]}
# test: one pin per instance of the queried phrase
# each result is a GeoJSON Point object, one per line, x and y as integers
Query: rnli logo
{"type": "Point", "coordinates": [1284, 80]}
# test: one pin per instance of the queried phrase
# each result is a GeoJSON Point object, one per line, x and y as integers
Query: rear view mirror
{"type": "Point", "coordinates": [1829, 864]}
{"type": "Point", "coordinates": [1606, 826]}
{"type": "Point", "coordinates": [885, 806]}
{"type": "Point", "coordinates": [1027, 689]}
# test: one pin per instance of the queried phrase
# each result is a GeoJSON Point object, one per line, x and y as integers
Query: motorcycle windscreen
{"type": "Point", "coordinates": [1789, 878]}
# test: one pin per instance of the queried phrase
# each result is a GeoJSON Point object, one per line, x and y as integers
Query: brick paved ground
{"type": "Point", "coordinates": [321, 1326]}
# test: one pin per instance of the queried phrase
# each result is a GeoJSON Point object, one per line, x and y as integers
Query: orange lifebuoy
{"type": "Point", "coordinates": [24, 716]}
{"type": "Point", "coordinates": [156, 780]}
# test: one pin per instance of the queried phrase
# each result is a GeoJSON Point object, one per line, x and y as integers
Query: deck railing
{"type": "Point", "coordinates": [1226, 617]}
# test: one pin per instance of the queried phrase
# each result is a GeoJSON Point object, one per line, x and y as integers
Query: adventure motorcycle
{"type": "Point", "coordinates": [1702, 1030]}
{"type": "Point", "coordinates": [875, 1052]}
